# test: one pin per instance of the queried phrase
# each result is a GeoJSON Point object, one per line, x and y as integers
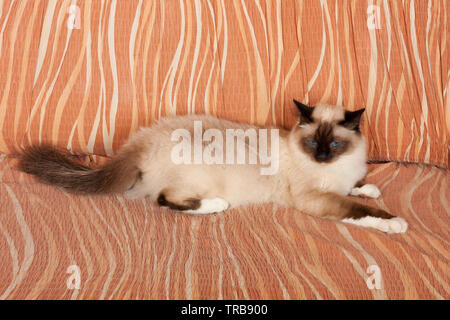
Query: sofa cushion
{"type": "Point", "coordinates": [132, 249]}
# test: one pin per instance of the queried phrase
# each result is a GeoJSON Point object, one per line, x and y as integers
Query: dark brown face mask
{"type": "Point", "coordinates": [323, 145]}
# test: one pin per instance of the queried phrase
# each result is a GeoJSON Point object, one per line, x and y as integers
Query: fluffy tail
{"type": "Point", "coordinates": [52, 167]}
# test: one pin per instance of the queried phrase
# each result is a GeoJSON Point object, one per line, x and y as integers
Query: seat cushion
{"type": "Point", "coordinates": [133, 249]}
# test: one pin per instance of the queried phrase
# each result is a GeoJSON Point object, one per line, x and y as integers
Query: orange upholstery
{"type": "Point", "coordinates": [84, 76]}
{"type": "Point", "coordinates": [126, 63]}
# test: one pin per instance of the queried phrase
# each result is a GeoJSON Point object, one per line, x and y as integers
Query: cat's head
{"type": "Point", "coordinates": [325, 133]}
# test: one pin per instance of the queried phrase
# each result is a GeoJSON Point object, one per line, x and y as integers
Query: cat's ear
{"type": "Point", "coordinates": [352, 119]}
{"type": "Point", "coordinates": [305, 112]}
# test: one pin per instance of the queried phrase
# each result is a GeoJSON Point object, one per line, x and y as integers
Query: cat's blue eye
{"type": "Point", "coordinates": [335, 144]}
{"type": "Point", "coordinates": [312, 142]}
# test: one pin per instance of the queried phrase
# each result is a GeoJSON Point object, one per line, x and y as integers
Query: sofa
{"type": "Point", "coordinates": [84, 75]}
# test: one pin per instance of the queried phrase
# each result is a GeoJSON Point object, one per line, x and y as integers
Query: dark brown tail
{"type": "Point", "coordinates": [53, 167]}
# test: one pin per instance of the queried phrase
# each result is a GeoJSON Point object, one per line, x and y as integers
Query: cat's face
{"type": "Point", "coordinates": [325, 132]}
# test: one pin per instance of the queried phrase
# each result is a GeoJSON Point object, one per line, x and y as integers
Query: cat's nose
{"type": "Point", "coordinates": [322, 157]}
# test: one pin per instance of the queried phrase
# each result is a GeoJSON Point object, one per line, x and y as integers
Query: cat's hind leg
{"type": "Point", "coordinates": [215, 205]}
{"type": "Point", "coordinates": [138, 189]}
{"type": "Point", "coordinates": [191, 205]}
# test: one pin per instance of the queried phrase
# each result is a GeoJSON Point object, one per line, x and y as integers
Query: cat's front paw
{"type": "Point", "coordinates": [367, 190]}
{"type": "Point", "coordinates": [392, 225]}
{"type": "Point", "coordinates": [397, 225]}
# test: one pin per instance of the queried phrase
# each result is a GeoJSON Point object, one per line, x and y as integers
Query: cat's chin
{"type": "Point", "coordinates": [324, 163]}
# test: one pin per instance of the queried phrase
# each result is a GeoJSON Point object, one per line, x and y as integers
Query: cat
{"type": "Point", "coordinates": [322, 160]}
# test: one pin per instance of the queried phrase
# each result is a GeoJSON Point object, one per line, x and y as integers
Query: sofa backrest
{"type": "Point", "coordinates": [86, 75]}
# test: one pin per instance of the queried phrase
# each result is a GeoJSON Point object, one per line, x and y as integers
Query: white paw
{"type": "Point", "coordinates": [397, 225]}
{"type": "Point", "coordinates": [367, 190]}
{"type": "Point", "coordinates": [210, 206]}
{"type": "Point", "coordinates": [393, 225]}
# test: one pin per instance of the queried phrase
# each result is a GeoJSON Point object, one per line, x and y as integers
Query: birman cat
{"type": "Point", "coordinates": [319, 163]}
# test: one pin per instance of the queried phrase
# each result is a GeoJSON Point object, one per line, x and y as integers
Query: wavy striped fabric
{"type": "Point", "coordinates": [130, 249]}
{"type": "Point", "coordinates": [85, 74]}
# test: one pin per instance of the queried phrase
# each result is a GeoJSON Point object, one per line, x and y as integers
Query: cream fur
{"type": "Point", "coordinates": [243, 184]}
